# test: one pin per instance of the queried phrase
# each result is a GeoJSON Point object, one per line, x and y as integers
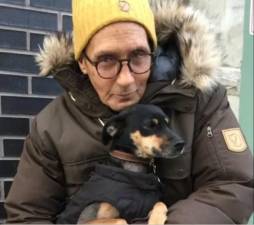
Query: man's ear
{"type": "Point", "coordinates": [82, 66]}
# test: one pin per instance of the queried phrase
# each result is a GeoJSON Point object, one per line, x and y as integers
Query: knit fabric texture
{"type": "Point", "coordinates": [89, 16]}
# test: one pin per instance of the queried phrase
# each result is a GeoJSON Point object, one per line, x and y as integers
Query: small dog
{"type": "Point", "coordinates": [129, 187]}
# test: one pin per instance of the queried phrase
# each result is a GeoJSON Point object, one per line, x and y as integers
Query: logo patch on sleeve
{"type": "Point", "coordinates": [234, 140]}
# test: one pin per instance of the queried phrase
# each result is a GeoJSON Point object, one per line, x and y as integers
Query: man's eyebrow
{"type": "Point", "coordinates": [104, 53]}
{"type": "Point", "coordinates": [142, 48]}
{"type": "Point", "coordinates": [116, 53]}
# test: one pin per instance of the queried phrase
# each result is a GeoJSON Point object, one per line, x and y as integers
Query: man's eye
{"type": "Point", "coordinates": [138, 54]}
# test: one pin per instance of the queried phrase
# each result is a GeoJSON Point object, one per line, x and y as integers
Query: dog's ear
{"type": "Point", "coordinates": [112, 128]}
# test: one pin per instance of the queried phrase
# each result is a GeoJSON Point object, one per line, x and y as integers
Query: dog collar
{"type": "Point", "coordinates": [132, 158]}
{"type": "Point", "coordinates": [128, 157]}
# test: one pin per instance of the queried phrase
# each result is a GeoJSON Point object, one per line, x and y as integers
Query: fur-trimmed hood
{"type": "Point", "coordinates": [200, 56]}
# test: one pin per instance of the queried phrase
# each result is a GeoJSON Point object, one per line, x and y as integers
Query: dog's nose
{"type": "Point", "coordinates": [179, 147]}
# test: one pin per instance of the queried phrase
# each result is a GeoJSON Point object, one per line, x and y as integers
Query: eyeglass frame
{"type": "Point", "coordinates": [128, 60]}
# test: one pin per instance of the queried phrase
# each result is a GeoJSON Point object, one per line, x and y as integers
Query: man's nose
{"type": "Point", "coordinates": [125, 76]}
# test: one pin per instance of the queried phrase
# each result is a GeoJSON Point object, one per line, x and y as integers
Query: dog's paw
{"type": "Point", "coordinates": [108, 221]}
{"type": "Point", "coordinates": [158, 215]}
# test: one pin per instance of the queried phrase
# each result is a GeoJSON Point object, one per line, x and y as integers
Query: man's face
{"type": "Point", "coordinates": [119, 40]}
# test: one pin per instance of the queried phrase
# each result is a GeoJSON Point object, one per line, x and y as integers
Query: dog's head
{"type": "Point", "coordinates": [143, 130]}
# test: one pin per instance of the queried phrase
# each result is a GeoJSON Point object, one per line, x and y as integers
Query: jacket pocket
{"type": "Point", "coordinates": [175, 169]}
{"type": "Point", "coordinates": [77, 173]}
{"type": "Point", "coordinates": [214, 146]}
{"type": "Point", "coordinates": [230, 165]}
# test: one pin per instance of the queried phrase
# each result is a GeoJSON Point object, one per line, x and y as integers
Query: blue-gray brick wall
{"type": "Point", "coordinates": [23, 26]}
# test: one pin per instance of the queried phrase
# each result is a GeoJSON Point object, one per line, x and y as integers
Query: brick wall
{"type": "Point", "coordinates": [23, 25]}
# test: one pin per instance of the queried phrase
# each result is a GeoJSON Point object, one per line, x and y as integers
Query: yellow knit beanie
{"type": "Point", "coordinates": [89, 16]}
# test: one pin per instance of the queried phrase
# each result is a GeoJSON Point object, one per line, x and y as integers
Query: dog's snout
{"type": "Point", "coordinates": [179, 147]}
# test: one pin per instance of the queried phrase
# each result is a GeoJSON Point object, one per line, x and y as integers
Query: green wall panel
{"type": "Point", "coordinates": [246, 96]}
{"type": "Point", "coordinates": [246, 93]}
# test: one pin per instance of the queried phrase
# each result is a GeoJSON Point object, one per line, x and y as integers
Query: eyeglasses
{"type": "Point", "coordinates": [109, 67]}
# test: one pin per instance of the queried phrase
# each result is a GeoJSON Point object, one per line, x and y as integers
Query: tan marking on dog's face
{"type": "Point", "coordinates": [146, 145]}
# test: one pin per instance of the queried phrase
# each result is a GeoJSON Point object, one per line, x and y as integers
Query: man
{"type": "Point", "coordinates": [114, 44]}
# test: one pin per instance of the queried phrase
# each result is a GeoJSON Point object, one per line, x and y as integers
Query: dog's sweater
{"type": "Point", "coordinates": [133, 194]}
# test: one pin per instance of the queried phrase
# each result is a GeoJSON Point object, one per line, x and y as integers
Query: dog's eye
{"type": "Point", "coordinates": [166, 120]}
{"type": "Point", "coordinates": [152, 123]}
{"type": "Point", "coordinates": [155, 122]}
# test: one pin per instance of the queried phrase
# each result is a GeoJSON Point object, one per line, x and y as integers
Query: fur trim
{"type": "Point", "coordinates": [57, 52]}
{"type": "Point", "coordinates": [200, 55]}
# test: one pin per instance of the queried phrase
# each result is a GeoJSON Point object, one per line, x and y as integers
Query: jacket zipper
{"type": "Point", "coordinates": [210, 135]}
{"type": "Point", "coordinates": [101, 122]}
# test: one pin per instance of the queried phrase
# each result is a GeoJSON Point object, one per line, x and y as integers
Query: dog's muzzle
{"type": "Point", "coordinates": [172, 150]}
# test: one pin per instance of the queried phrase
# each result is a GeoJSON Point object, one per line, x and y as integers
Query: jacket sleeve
{"type": "Point", "coordinates": [222, 169]}
{"type": "Point", "coordinates": [38, 191]}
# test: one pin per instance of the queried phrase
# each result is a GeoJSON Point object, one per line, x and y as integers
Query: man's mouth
{"type": "Point", "coordinates": [125, 95]}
